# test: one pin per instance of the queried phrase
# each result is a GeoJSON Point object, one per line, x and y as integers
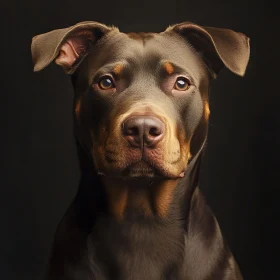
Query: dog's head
{"type": "Point", "coordinates": [141, 99]}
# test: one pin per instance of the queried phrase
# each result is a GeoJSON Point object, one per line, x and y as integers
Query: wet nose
{"type": "Point", "coordinates": [142, 131]}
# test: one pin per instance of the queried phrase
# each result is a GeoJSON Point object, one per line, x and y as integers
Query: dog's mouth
{"type": "Point", "coordinates": [163, 161]}
{"type": "Point", "coordinates": [141, 169]}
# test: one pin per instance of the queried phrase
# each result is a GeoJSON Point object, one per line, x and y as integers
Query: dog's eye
{"type": "Point", "coordinates": [106, 82]}
{"type": "Point", "coordinates": [182, 83]}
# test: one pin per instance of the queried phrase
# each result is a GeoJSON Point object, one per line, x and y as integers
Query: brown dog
{"type": "Point", "coordinates": [141, 114]}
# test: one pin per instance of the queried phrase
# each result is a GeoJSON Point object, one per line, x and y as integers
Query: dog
{"type": "Point", "coordinates": [141, 115]}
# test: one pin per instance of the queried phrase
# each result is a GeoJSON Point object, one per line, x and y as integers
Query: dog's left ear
{"type": "Point", "coordinates": [67, 46]}
{"type": "Point", "coordinates": [218, 47]}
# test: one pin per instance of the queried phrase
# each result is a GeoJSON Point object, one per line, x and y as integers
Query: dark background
{"type": "Point", "coordinates": [39, 168]}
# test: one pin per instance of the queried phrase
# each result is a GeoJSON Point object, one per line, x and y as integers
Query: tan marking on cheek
{"type": "Point", "coordinates": [179, 147]}
{"type": "Point", "coordinates": [78, 108]}
{"type": "Point", "coordinates": [180, 163]}
{"type": "Point", "coordinates": [206, 111]}
{"type": "Point", "coordinates": [187, 151]}
{"type": "Point", "coordinates": [163, 196]}
{"type": "Point", "coordinates": [185, 146]}
{"type": "Point", "coordinates": [172, 146]}
{"type": "Point", "coordinates": [118, 69]}
{"type": "Point", "coordinates": [168, 67]}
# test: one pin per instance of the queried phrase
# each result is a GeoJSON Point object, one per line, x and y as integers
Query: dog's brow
{"type": "Point", "coordinates": [115, 68]}
{"type": "Point", "coordinates": [118, 68]}
{"type": "Point", "coordinates": [168, 67]}
{"type": "Point", "coordinates": [173, 68]}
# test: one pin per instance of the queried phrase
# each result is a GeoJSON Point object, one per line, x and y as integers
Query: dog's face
{"type": "Point", "coordinates": [145, 96]}
{"type": "Point", "coordinates": [140, 98]}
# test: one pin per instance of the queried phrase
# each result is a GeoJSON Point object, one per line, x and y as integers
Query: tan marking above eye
{"type": "Point", "coordinates": [118, 69]}
{"type": "Point", "coordinates": [168, 67]}
{"type": "Point", "coordinates": [182, 84]}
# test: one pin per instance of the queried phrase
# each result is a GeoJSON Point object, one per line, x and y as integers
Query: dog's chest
{"type": "Point", "coordinates": [137, 252]}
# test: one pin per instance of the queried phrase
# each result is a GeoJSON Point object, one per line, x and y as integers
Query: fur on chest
{"type": "Point", "coordinates": [137, 251]}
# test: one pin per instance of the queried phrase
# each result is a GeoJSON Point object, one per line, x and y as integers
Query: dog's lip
{"type": "Point", "coordinates": [139, 165]}
{"type": "Point", "coordinates": [141, 169]}
{"type": "Point", "coordinates": [136, 169]}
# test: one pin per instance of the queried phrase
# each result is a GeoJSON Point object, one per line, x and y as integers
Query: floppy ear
{"type": "Point", "coordinates": [66, 46]}
{"type": "Point", "coordinates": [218, 47]}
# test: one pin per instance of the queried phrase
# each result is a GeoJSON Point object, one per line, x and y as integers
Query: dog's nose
{"type": "Point", "coordinates": [142, 131]}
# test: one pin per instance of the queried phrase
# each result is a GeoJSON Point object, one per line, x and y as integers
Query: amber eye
{"type": "Point", "coordinates": [106, 82]}
{"type": "Point", "coordinates": [182, 83]}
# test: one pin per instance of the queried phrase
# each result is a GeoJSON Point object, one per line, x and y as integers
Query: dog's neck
{"type": "Point", "coordinates": [134, 210]}
{"type": "Point", "coordinates": [133, 218]}
{"type": "Point", "coordinates": [139, 197]}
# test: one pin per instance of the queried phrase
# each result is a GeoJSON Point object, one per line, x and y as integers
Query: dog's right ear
{"type": "Point", "coordinates": [66, 46]}
{"type": "Point", "coordinates": [217, 46]}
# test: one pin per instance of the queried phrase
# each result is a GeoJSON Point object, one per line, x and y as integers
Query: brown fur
{"type": "Point", "coordinates": [138, 213]}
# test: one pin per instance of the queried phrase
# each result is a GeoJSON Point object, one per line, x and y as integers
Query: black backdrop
{"type": "Point", "coordinates": [39, 169]}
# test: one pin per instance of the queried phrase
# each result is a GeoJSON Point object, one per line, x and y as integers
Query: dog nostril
{"type": "Point", "coordinates": [133, 131]}
{"type": "Point", "coordinates": [155, 131]}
